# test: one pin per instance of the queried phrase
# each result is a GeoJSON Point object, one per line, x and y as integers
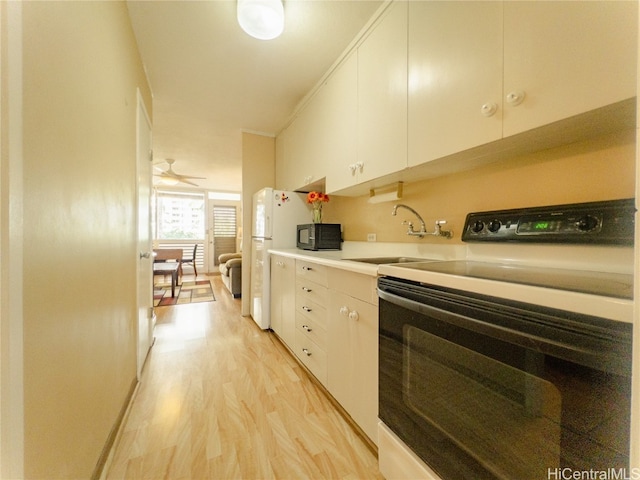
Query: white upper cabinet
{"type": "Point", "coordinates": [432, 79]}
{"type": "Point", "coordinates": [321, 141]}
{"type": "Point", "coordinates": [303, 140]}
{"type": "Point", "coordinates": [340, 98]}
{"type": "Point", "coordinates": [455, 77]}
{"type": "Point", "coordinates": [482, 71]}
{"type": "Point", "coordinates": [566, 58]}
{"type": "Point", "coordinates": [382, 96]}
{"type": "Point", "coordinates": [299, 156]}
{"type": "Point", "coordinates": [285, 168]}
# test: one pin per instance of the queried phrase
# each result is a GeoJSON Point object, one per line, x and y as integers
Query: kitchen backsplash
{"type": "Point", "coordinates": [599, 169]}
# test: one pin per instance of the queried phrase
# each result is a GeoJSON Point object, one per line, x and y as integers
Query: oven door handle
{"type": "Point", "coordinates": [592, 351]}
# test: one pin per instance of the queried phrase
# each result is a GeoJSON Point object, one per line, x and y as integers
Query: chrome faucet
{"type": "Point", "coordinates": [438, 232]}
{"type": "Point", "coordinates": [411, 231]}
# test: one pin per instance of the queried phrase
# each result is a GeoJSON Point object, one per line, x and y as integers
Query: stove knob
{"type": "Point", "coordinates": [587, 223]}
{"type": "Point", "coordinates": [494, 226]}
{"type": "Point", "coordinates": [477, 226]}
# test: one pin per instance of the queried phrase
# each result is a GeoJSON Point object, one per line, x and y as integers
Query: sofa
{"type": "Point", "coordinates": [230, 265]}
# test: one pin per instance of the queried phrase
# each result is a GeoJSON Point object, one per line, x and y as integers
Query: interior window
{"type": "Point", "coordinates": [180, 216]}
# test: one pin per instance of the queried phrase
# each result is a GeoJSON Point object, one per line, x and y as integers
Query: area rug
{"type": "Point", "coordinates": [188, 292]}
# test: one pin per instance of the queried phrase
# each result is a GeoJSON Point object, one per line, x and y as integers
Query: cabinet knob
{"type": "Point", "coordinates": [306, 352]}
{"type": "Point", "coordinates": [353, 315]}
{"type": "Point", "coordinates": [344, 311]}
{"type": "Point", "coordinates": [306, 328]}
{"type": "Point", "coordinates": [515, 98]}
{"type": "Point", "coordinates": [305, 308]}
{"type": "Point", "coordinates": [489, 109]}
{"type": "Point", "coordinates": [308, 269]}
{"type": "Point", "coordinates": [306, 289]}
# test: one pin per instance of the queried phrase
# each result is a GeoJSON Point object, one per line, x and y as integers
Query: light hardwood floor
{"type": "Point", "coordinates": [221, 399]}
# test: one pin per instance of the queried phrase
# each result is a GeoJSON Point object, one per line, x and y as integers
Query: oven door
{"type": "Point", "coordinates": [482, 388]}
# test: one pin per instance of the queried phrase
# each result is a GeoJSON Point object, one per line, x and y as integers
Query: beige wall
{"type": "Point", "coordinates": [81, 71]}
{"type": "Point", "coordinates": [599, 169]}
{"type": "Point", "coordinates": [258, 171]}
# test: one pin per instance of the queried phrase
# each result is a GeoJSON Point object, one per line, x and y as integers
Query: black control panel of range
{"type": "Point", "coordinates": [608, 222]}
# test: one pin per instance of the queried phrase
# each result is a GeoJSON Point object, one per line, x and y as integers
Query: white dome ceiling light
{"type": "Point", "coordinates": [262, 19]}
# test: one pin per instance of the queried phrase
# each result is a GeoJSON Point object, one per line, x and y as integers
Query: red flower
{"type": "Point", "coordinates": [312, 197]}
{"type": "Point", "coordinates": [317, 197]}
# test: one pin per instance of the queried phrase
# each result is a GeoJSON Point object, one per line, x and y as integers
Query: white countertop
{"type": "Point", "coordinates": [599, 306]}
{"type": "Point", "coordinates": [352, 250]}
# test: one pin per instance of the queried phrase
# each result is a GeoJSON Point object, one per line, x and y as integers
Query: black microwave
{"type": "Point", "coordinates": [319, 236]}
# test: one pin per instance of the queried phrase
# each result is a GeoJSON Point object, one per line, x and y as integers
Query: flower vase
{"type": "Point", "coordinates": [317, 214]}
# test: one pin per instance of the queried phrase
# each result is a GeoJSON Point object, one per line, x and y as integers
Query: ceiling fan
{"type": "Point", "coordinates": [169, 177]}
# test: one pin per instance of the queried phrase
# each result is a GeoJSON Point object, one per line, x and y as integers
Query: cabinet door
{"type": "Point", "coordinates": [365, 382]}
{"type": "Point", "coordinates": [340, 97]}
{"type": "Point", "coordinates": [352, 359]}
{"type": "Point", "coordinates": [455, 77]}
{"type": "Point", "coordinates": [382, 96]}
{"type": "Point", "coordinates": [285, 168]}
{"type": "Point", "coordinates": [283, 277]}
{"type": "Point", "coordinates": [301, 148]}
{"type": "Point", "coordinates": [567, 58]}
{"type": "Point", "coordinates": [276, 295]}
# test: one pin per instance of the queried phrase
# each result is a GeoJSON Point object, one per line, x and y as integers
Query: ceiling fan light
{"type": "Point", "coordinates": [169, 181]}
{"type": "Point", "coordinates": [262, 19]}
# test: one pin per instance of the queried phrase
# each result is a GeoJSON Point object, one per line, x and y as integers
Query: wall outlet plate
{"type": "Point", "coordinates": [371, 237]}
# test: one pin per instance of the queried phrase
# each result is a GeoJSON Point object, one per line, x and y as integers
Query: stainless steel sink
{"type": "Point", "coordinates": [386, 260]}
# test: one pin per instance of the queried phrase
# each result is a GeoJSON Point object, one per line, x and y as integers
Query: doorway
{"type": "Point", "coordinates": [223, 232]}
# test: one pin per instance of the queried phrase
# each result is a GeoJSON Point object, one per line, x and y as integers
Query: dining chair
{"type": "Point", "coordinates": [190, 260]}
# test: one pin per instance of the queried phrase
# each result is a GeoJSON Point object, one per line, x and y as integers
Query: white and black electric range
{"type": "Point", "coordinates": [515, 362]}
{"type": "Point", "coordinates": [577, 257]}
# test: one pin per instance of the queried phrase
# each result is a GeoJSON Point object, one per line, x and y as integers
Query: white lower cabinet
{"type": "Point", "coordinates": [352, 359]}
{"type": "Point", "coordinates": [283, 279]}
{"type": "Point", "coordinates": [334, 333]}
{"type": "Point", "coordinates": [352, 346]}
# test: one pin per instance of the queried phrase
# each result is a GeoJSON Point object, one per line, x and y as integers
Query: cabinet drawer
{"type": "Point", "coordinates": [311, 290]}
{"type": "Point", "coordinates": [312, 356]}
{"type": "Point", "coordinates": [310, 309]}
{"type": "Point", "coordinates": [312, 329]}
{"type": "Point", "coordinates": [311, 271]}
{"type": "Point", "coordinates": [355, 285]}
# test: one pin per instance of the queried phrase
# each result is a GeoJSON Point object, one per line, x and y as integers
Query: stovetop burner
{"type": "Point", "coordinates": [614, 285]}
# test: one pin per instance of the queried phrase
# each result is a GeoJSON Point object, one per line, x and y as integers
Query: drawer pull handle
{"type": "Point", "coordinates": [306, 352]}
{"type": "Point", "coordinates": [306, 327]}
{"type": "Point", "coordinates": [306, 309]}
{"type": "Point", "coordinates": [307, 268]}
{"type": "Point", "coordinates": [308, 290]}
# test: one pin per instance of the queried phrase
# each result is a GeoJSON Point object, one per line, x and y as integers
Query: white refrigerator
{"type": "Point", "coordinates": [276, 214]}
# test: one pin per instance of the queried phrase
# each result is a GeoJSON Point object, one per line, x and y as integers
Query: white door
{"type": "Point", "coordinates": [145, 260]}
